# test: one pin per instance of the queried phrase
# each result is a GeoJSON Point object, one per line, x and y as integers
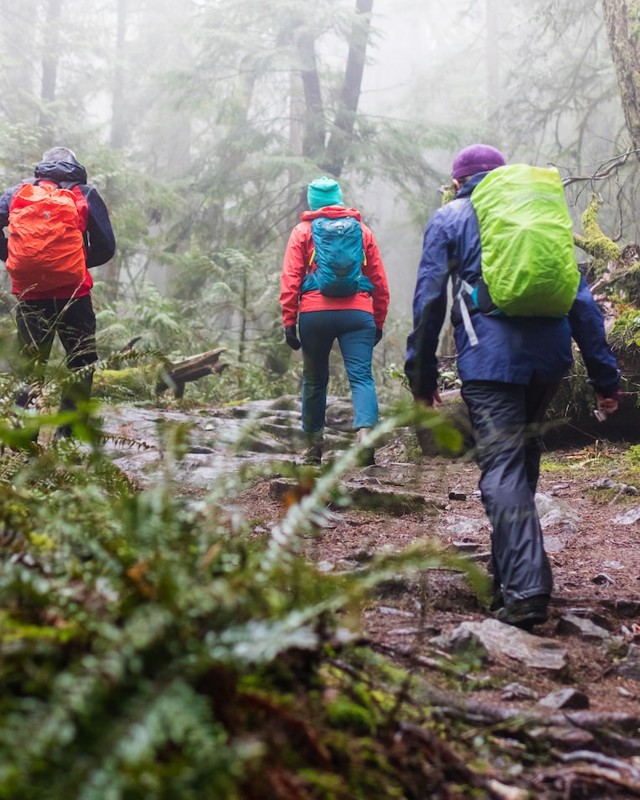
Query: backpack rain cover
{"type": "Point", "coordinates": [46, 244]}
{"type": "Point", "coordinates": [526, 233]}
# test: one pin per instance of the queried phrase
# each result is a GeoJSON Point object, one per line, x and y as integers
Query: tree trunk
{"type": "Point", "coordinates": [118, 113]}
{"type": "Point", "coordinates": [19, 50]}
{"type": "Point", "coordinates": [51, 55]}
{"type": "Point", "coordinates": [344, 125]}
{"type": "Point", "coordinates": [622, 21]}
{"type": "Point", "coordinates": [314, 135]}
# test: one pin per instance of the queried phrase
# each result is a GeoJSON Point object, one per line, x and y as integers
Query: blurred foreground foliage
{"type": "Point", "coordinates": [154, 647]}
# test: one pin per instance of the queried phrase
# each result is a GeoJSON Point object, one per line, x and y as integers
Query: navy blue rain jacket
{"type": "Point", "coordinates": [510, 349]}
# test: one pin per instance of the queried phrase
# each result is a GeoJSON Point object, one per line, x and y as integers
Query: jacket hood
{"type": "Point", "coordinates": [333, 212]}
{"type": "Point", "coordinates": [466, 189]}
{"type": "Point", "coordinates": [61, 171]}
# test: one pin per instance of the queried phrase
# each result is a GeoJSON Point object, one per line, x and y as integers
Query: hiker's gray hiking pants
{"type": "Point", "coordinates": [506, 419]}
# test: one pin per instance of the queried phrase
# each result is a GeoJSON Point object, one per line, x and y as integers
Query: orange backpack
{"type": "Point", "coordinates": [46, 243]}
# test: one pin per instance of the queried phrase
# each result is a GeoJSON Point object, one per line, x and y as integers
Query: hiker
{"type": "Point", "coordinates": [333, 286]}
{"type": "Point", "coordinates": [510, 367]}
{"type": "Point", "coordinates": [58, 228]}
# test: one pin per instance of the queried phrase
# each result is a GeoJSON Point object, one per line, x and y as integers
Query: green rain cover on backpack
{"type": "Point", "coordinates": [526, 233]}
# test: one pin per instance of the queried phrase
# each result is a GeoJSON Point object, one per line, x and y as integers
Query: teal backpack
{"type": "Point", "coordinates": [528, 264]}
{"type": "Point", "coordinates": [338, 255]}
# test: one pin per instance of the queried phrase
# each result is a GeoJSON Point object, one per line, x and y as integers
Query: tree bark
{"type": "Point", "coordinates": [314, 134]}
{"type": "Point", "coordinates": [344, 125]}
{"type": "Point", "coordinates": [622, 18]}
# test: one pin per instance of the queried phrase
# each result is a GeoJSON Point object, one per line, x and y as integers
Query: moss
{"type": "Point", "coordinates": [594, 241]}
{"type": "Point", "coordinates": [344, 713]}
{"type": "Point", "coordinates": [129, 383]}
{"type": "Point", "coordinates": [448, 195]}
{"type": "Point", "coordinates": [625, 333]}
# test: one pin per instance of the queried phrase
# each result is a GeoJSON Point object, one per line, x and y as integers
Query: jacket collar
{"type": "Point", "coordinates": [471, 184]}
{"type": "Point", "coordinates": [333, 212]}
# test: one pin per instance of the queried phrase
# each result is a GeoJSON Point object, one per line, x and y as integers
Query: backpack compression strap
{"type": "Point", "coordinates": [466, 288]}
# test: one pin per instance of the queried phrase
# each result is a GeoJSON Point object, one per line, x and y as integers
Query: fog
{"type": "Point", "coordinates": [201, 122]}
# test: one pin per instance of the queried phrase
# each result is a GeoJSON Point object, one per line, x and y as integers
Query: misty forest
{"type": "Point", "coordinates": [187, 611]}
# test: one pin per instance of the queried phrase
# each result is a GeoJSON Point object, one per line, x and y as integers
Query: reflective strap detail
{"type": "Point", "coordinates": [466, 316]}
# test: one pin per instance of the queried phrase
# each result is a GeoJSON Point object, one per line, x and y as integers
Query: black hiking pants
{"type": "Point", "coordinates": [74, 321]}
{"type": "Point", "coordinates": [507, 419]}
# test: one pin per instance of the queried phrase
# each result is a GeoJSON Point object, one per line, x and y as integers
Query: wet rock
{"type": "Point", "coordinates": [565, 698]}
{"type": "Point", "coordinates": [516, 691]}
{"type": "Point", "coordinates": [631, 517]}
{"type": "Point", "coordinates": [572, 625]}
{"type": "Point", "coordinates": [554, 511]}
{"type": "Point", "coordinates": [392, 502]}
{"type": "Point", "coordinates": [624, 608]}
{"type": "Point", "coordinates": [602, 579]}
{"type": "Point", "coordinates": [283, 490]}
{"type": "Point", "coordinates": [620, 488]}
{"type": "Point", "coordinates": [630, 667]}
{"type": "Point", "coordinates": [465, 527]}
{"type": "Point", "coordinates": [466, 547]}
{"type": "Point", "coordinates": [587, 612]}
{"type": "Point", "coordinates": [554, 544]}
{"type": "Point", "coordinates": [495, 641]}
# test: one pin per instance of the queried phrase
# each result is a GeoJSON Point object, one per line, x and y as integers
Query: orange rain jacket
{"type": "Point", "coordinates": [296, 265]}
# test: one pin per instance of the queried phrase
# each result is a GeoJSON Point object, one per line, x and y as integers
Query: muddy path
{"type": "Point", "coordinates": [584, 661]}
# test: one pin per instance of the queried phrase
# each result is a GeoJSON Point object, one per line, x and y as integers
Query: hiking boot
{"type": "Point", "coordinates": [313, 454]}
{"type": "Point", "coordinates": [497, 602]}
{"type": "Point", "coordinates": [367, 455]}
{"type": "Point", "coordinates": [525, 613]}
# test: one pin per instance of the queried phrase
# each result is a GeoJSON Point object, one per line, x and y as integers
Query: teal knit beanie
{"type": "Point", "coordinates": [324, 192]}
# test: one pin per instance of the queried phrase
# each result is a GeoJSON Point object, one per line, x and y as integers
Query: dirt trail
{"type": "Point", "coordinates": [593, 547]}
{"type": "Point", "coordinates": [589, 504]}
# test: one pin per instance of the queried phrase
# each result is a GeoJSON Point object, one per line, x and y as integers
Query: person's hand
{"type": "Point", "coordinates": [432, 400]}
{"type": "Point", "coordinates": [291, 337]}
{"type": "Point", "coordinates": [377, 337]}
{"type": "Point", "coordinates": [607, 405]}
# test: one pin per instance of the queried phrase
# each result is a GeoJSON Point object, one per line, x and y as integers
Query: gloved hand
{"type": "Point", "coordinates": [431, 399]}
{"type": "Point", "coordinates": [291, 337]}
{"type": "Point", "coordinates": [606, 405]}
{"type": "Point", "coordinates": [377, 337]}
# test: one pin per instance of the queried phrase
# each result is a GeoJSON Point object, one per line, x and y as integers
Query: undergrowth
{"type": "Point", "coordinates": [152, 648]}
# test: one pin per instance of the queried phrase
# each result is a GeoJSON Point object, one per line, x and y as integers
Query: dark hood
{"type": "Point", "coordinates": [468, 187]}
{"type": "Point", "coordinates": [61, 171]}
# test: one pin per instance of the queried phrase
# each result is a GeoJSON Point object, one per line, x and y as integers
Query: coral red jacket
{"type": "Point", "coordinates": [296, 265]}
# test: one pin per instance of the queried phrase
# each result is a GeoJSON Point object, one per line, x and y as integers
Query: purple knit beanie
{"type": "Point", "coordinates": [476, 158]}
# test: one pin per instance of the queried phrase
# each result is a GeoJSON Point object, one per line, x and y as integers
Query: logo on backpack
{"type": "Point", "coordinates": [528, 264]}
{"type": "Point", "coordinates": [338, 256]}
{"type": "Point", "coordinates": [46, 244]}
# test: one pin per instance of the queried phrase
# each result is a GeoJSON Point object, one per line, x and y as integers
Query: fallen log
{"type": "Point", "coordinates": [149, 379]}
{"type": "Point", "coordinates": [174, 376]}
